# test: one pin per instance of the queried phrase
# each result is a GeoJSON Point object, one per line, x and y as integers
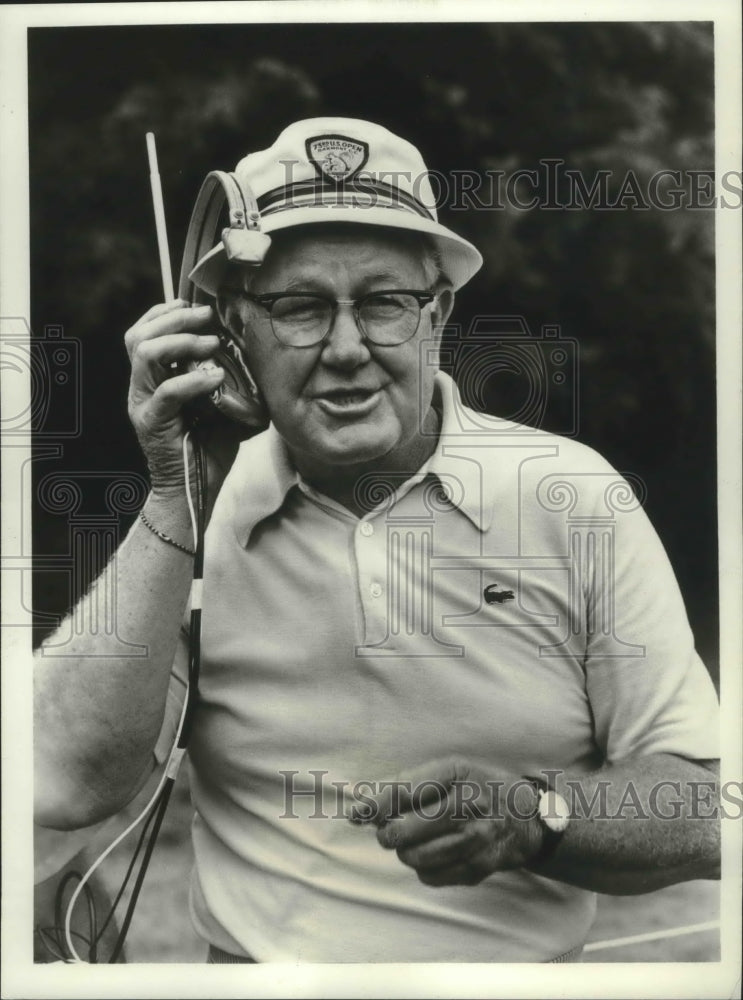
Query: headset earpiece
{"type": "Point", "coordinates": [238, 397]}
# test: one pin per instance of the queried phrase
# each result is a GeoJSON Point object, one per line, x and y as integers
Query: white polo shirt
{"type": "Point", "coordinates": [511, 605]}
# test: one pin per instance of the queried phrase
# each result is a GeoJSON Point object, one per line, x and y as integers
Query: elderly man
{"type": "Point", "coordinates": [448, 689]}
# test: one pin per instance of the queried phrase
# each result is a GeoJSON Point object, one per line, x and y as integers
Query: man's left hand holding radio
{"type": "Point", "coordinates": [88, 702]}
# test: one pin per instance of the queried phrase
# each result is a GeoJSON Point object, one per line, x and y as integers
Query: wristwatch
{"type": "Point", "coordinates": [553, 814]}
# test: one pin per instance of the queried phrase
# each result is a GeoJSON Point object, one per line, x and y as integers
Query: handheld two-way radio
{"type": "Point", "coordinates": [238, 397]}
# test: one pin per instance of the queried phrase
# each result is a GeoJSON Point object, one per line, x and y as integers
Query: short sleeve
{"type": "Point", "coordinates": [174, 701]}
{"type": "Point", "coordinates": [648, 689]}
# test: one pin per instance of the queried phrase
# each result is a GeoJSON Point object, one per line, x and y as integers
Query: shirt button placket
{"type": "Point", "coordinates": [366, 528]}
{"type": "Point", "coordinates": [372, 569]}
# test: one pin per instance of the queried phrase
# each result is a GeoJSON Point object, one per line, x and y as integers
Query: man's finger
{"type": "Point", "coordinates": [441, 852]}
{"type": "Point", "coordinates": [451, 875]}
{"type": "Point", "coordinates": [420, 787]}
{"type": "Point", "coordinates": [161, 308]}
{"type": "Point", "coordinates": [180, 319]}
{"type": "Point", "coordinates": [423, 823]}
{"type": "Point", "coordinates": [398, 797]}
{"type": "Point", "coordinates": [169, 398]}
{"type": "Point", "coordinates": [172, 347]}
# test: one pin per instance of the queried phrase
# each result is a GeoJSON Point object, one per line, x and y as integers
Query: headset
{"type": "Point", "coordinates": [237, 399]}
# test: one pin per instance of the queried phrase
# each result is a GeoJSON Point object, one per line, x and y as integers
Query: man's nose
{"type": "Point", "coordinates": [345, 346]}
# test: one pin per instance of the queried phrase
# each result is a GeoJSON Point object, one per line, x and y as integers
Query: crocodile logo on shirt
{"type": "Point", "coordinates": [493, 595]}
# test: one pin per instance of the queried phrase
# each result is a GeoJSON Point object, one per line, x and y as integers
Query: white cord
{"type": "Point", "coordinates": [187, 481]}
{"type": "Point", "coordinates": [652, 936]}
{"type": "Point", "coordinates": [171, 768]}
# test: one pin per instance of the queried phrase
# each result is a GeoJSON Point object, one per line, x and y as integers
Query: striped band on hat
{"type": "Point", "coordinates": [359, 193]}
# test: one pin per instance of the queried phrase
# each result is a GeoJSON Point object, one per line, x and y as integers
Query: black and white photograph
{"type": "Point", "coordinates": [371, 499]}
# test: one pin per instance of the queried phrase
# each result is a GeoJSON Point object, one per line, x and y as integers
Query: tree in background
{"type": "Point", "coordinates": [634, 287]}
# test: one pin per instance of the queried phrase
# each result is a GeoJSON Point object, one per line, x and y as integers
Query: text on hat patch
{"type": "Point", "coordinates": [336, 156]}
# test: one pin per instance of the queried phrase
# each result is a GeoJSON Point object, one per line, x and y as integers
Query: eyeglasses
{"type": "Point", "coordinates": [302, 319]}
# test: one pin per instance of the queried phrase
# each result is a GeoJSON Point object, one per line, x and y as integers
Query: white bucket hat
{"type": "Point", "coordinates": [342, 170]}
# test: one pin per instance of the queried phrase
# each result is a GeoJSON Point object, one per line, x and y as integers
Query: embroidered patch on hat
{"type": "Point", "coordinates": [336, 156]}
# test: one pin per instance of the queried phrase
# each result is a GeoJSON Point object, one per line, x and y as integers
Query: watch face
{"type": "Point", "coordinates": [554, 811]}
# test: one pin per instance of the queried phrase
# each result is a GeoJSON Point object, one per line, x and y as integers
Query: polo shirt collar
{"type": "Point", "coordinates": [446, 464]}
{"type": "Point", "coordinates": [264, 474]}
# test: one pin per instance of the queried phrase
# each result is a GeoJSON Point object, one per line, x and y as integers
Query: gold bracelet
{"type": "Point", "coordinates": [162, 536]}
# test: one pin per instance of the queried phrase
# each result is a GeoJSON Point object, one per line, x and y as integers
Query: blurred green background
{"type": "Point", "coordinates": [634, 288]}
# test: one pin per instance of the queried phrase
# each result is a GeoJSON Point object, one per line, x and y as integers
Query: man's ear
{"type": "Point", "coordinates": [441, 313]}
{"type": "Point", "coordinates": [444, 306]}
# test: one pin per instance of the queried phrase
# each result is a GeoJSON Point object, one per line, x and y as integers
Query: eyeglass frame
{"type": "Point", "coordinates": [267, 300]}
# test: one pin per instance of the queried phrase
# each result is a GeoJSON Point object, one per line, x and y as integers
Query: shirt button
{"type": "Point", "coordinates": [376, 590]}
{"type": "Point", "coordinates": [366, 529]}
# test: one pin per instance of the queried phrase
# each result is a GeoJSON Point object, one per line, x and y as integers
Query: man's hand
{"type": "Point", "coordinates": [636, 826]}
{"type": "Point", "coordinates": [176, 332]}
{"type": "Point", "coordinates": [455, 822]}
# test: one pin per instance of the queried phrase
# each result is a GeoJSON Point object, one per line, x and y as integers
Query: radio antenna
{"type": "Point", "coordinates": [162, 235]}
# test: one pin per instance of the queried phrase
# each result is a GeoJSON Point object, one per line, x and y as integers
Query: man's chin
{"type": "Point", "coordinates": [348, 458]}
{"type": "Point", "coordinates": [346, 450]}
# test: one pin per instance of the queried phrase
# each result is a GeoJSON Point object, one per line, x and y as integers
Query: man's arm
{"type": "Point", "coordinates": [654, 821]}
{"type": "Point", "coordinates": [97, 717]}
{"type": "Point", "coordinates": [636, 826]}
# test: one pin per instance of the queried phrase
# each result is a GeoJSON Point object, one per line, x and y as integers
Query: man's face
{"type": "Point", "coordinates": [345, 401]}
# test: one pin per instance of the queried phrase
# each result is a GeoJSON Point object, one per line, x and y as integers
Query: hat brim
{"type": "Point", "coordinates": [460, 260]}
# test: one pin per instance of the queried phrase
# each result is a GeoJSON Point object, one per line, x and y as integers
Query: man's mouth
{"type": "Point", "coordinates": [349, 402]}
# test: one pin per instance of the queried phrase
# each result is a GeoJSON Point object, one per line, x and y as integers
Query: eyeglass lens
{"type": "Point", "coordinates": [303, 320]}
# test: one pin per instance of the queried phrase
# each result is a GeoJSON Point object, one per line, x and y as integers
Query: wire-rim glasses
{"type": "Point", "coordinates": [387, 317]}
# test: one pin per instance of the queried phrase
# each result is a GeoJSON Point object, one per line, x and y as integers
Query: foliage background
{"type": "Point", "coordinates": [634, 288]}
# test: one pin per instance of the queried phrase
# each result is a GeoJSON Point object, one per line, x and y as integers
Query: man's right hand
{"type": "Point", "coordinates": [176, 332]}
